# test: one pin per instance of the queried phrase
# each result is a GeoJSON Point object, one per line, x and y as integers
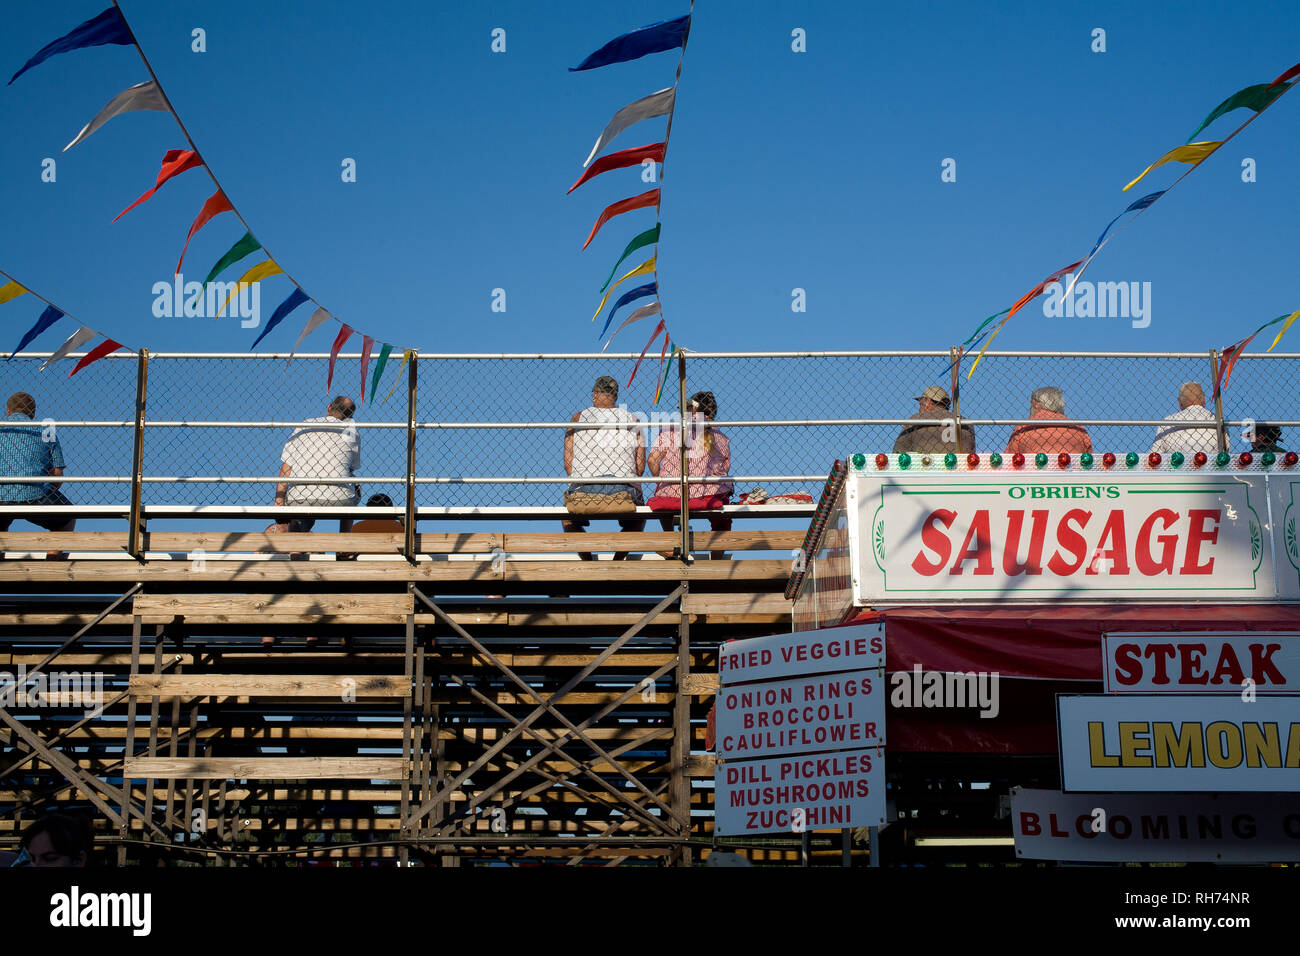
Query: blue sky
{"type": "Point", "coordinates": [816, 170]}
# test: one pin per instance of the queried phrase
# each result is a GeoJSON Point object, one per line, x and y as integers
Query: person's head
{"type": "Point", "coordinates": [705, 404]}
{"type": "Point", "coordinates": [59, 839]}
{"type": "Point", "coordinates": [604, 394]}
{"type": "Point", "coordinates": [342, 408]}
{"type": "Point", "coordinates": [1189, 394]}
{"type": "Point", "coordinates": [932, 397]}
{"type": "Point", "coordinates": [1266, 437]}
{"type": "Point", "coordinates": [21, 402]}
{"type": "Point", "coordinates": [379, 501]}
{"type": "Point", "coordinates": [1049, 399]}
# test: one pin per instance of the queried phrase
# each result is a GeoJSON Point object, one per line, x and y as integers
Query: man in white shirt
{"type": "Point", "coordinates": [326, 447]}
{"type": "Point", "coordinates": [1184, 436]}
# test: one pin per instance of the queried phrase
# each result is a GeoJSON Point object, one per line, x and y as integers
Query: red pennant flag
{"type": "Point", "coordinates": [648, 198]}
{"type": "Point", "coordinates": [95, 354]}
{"type": "Point", "coordinates": [626, 157]}
{"type": "Point", "coordinates": [654, 335]}
{"type": "Point", "coordinates": [1230, 356]}
{"type": "Point", "coordinates": [366, 345]}
{"type": "Point", "coordinates": [343, 335]}
{"type": "Point", "coordinates": [1293, 72]}
{"type": "Point", "coordinates": [175, 162]}
{"type": "Point", "coordinates": [217, 203]}
{"type": "Point", "coordinates": [1036, 290]}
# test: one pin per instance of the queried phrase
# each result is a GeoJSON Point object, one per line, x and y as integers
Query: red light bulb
{"type": "Point", "coordinates": [1245, 459]}
{"type": "Point", "coordinates": [882, 461]}
{"type": "Point", "coordinates": [1200, 458]}
{"type": "Point", "coordinates": [1017, 460]}
{"type": "Point", "coordinates": [1063, 459]}
{"type": "Point", "coordinates": [1154, 459]}
{"type": "Point", "coordinates": [1290, 458]}
{"type": "Point", "coordinates": [1108, 460]}
{"type": "Point", "coordinates": [973, 460]}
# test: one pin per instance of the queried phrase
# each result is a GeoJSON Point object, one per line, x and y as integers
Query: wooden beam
{"type": "Point", "coordinates": [699, 685]}
{"type": "Point", "coordinates": [265, 768]}
{"type": "Point", "coordinates": [287, 608]}
{"type": "Point", "coordinates": [332, 686]}
{"type": "Point", "coordinates": [532, 542]}
{"type": "Point", "coordinates": [738, 603]}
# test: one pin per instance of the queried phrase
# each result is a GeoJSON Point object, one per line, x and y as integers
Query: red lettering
{"type": "Point", "coordinates": [1084, 826]}
{"type": "Point", "coordinates": [1161, 654]}
{"type": "Point", "coordinates": [1029, 825]}
{"type": "Point", "coordinates": [1197, 535]}
{"type": "Point", "coordinates": [1071, 541]}
{"type": "Point", "coordinates": [1011, 553]}
{"type": "Point", "coordinates": [1116, 557]}
{"type": "Point", "coordinates": [1191, 664]}
{"type": "Point", "coordinates": [1228, 666]}
{"type": "Point", "coordinates": [1128, 664]}
{"type": "Point", "coordinates": [1169, 544]}
{"type": "Point", "coordinates": [981, 551]}
{"type": "Point", "coordinates": [1262, 668]}
{"type": "Point", "coordinates": [936, 541]}
{"type": "Point", "coordinates": [1056, 830]}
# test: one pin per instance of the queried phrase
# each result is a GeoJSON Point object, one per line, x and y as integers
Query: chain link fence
{"type": "Point", "coordinates": [490, 428]}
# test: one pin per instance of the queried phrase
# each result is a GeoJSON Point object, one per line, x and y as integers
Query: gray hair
{"type": "Point", "coordinates": [1050, 398]}
{"type": "Point", "coordinates": [1191, 393]}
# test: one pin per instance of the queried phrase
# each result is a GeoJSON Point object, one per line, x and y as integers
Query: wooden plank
{"type": "Point", "coordinates": [700, 685]}
{"type": "Point", "coordinates": [269, 685]}
{"type": "Point", "coordinates": [532, 542]}
{"type": "Point", "coordinates": [63, 541]}
{"type": "Point", "coordinates": [700, 602]}
{"type": "Point", "coordinates": [252, 608]}
{"type": "Point", "coordinates": [700, 765]}
{"type": "Point", "coordinates": [266, 768]}
{"type": "Point", "coordinates": [92, 572]}
{"type": "Point", "coordinates": [477, 542]}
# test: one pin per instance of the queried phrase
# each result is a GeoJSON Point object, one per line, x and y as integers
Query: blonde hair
{"type": "Point", "coordinates": [705, 403]}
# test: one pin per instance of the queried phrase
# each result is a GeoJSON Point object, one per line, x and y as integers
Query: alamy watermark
{"type": "Point", "coordinates": [84, 689]}
{"type": "Point", "coordinates": [192, 300]}
{"type": "Point", "coordinates": [946, 689]}
{"type": "Point", "coordinates": [1100, 300]}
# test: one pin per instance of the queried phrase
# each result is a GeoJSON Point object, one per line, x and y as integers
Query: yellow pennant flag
{"type": "Point", "coordinates": [644, 268]}
{"type": "Point", "coordinates": [406, 357]}
{"type": "Point", "coordinates": [1285, 325]}
{"type": "Point", "coordinates": [10, 290]}
{"type": "Point", "coordinates": [1193, 153]}
{"type": "Point", "coordinates": [255, 274]}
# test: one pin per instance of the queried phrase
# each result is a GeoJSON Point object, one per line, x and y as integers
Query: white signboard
{"type": "Point", "coordinates": [783, 655]}
{"type": "Point", "coordinates": [1202, 663]}
{"type": "Point", "coordinates": [793, 794]}
{"type": "Point", "coordinates": [1078, 535]}
{"type": "Point", "coordinates": [1284, 494]}
{"type": "Point", "coordinates": [1162, 743]}
{"type": "Point", "coordinates": [1156, 827]}
{"type": "Point", "coordinates": [803, 715]}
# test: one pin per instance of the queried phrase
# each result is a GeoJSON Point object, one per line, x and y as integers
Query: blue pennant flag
{"type": "Point", "coordinates": [640, 292]}
{"type": "Point", "coordinates": [48, 318]}
{"type": "Point", "coordinates": [108, 27]}
{"type": "Point", "coordinates": [655, 38]}
{"type": "Point", "coordinates": [296, 298]}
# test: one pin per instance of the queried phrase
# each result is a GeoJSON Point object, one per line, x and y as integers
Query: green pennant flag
{"type": "Point", "coordinates": [1252, 98]}
{"type": "Point", "coordinates": [379, 370]}
{"type": "Point", "coordinates": [243, 247]}
{"type": "Point", "coordinates": [646, 238]}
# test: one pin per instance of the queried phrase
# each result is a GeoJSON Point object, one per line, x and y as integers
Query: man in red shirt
{"type": "Point", "coordinates": [1049, 404]}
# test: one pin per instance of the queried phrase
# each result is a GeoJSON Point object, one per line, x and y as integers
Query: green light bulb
{"type": "Point", "coordinates": [950, 460]}
{"type": "Point", "coordinates": [1086, 459]}
{"type": "Point", "coordinates": [904, 461]}
{"type": "Point", "coordinates": [1131, 459]}
{"type": "Point", "coordinates": [995, 460]}
{"type": "Point", "coordinates": [859, 461]}
{"type": "Point", "coordinates": [1176, 460]}
{"type": "Point", "coordinates": [1221, 459]}
{"type": "Point", "coordinates": [1040, 460]}
{"type": "Point", "coordinates": [1269, 458]}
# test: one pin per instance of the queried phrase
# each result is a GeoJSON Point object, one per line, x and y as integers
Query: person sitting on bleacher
{"type": "Point", "coordinates": [30, 451]}
{"type": "Point", "coordinates": [322, 448]}
{"type": "Point", "coordinates": [375, 525]}
{"type": "Point", "coordinates": [708, 452]}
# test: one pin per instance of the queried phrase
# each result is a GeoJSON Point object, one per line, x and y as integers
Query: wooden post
{"type": "Point", "coordinates": [1218, 400]}
{"type": "Point", "coordinates": [954, 353]}
{"type": "Point", "coordinates": [411, 392]}
{"type": "Point", "coordinates": [135, 531]}
{"type": "Point", "coordinates": [681, 748]}
{"type": "Point", "coordinates": [687, 557]}
{"type": "Point", "coordinates": [873, 844]}
{"type": "Point", "coordinates": [846, 847]}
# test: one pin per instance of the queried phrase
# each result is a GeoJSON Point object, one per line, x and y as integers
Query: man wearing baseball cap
{"type": "Point", "coordinates": [938, 434]}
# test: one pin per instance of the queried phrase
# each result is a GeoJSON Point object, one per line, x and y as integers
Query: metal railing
{"type": "Point", "coordinates": [480, 430]}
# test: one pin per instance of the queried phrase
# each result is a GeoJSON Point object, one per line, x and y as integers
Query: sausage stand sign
{"type": "Point", "coordinates": [1050, 535]}
{"type": "Point", "coordinates": [811, 705]}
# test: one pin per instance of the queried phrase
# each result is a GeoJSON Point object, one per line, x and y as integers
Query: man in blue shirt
{"type": "Point", "coordinates": [29, 451]}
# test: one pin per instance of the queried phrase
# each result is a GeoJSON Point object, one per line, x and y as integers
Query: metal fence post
{"type": "Point", "coordinates": [135, 530]}
{"type": "Point", "coordinates": [687, 557]}
{"type": "Point", "coordinates": [411, 392]}
{"type": "Point", "coordinates": [1218, 400]}
{"type": "Point", "coordinates": [954, 354]}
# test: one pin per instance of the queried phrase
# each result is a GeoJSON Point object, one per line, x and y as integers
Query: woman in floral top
{"type": "Point", "coordinates": [708, 452]}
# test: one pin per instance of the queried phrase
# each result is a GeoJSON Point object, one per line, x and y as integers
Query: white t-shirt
{"type": "Point", "coordinates": [1188, 438]}
{"type": "Point", "coordinates": [325, 447]}
{"type": "Point", "coordinates": [604, 451]}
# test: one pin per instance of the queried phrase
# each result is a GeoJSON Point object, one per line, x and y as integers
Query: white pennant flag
{"type": "Point", "coordinates": [317, 317]}
{"type": "Point", "coordinates": [74, 341]}
{"type": "Point", "coordinates": [641, 313]}
{"type": "Point", "coordinates": [142, 96]}
{"type": "Point", "coordinates": [656, 104]}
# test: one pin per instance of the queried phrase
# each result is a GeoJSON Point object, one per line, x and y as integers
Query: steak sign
{"type": "Point", "coordinates": [1033, 536]}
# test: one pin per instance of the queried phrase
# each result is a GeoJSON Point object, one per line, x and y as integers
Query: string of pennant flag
{"type": "Point", "coordinates": [656, 38]}
{"type": "Point", "coordinates": [1257, 99]}
{"type": "Point", "coordinates": [111, 28]}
